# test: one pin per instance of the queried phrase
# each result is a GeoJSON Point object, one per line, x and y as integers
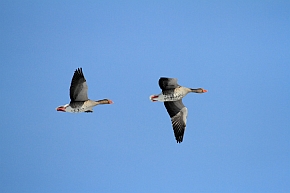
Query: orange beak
{"type": "Point", "coordinates": [62, 109]}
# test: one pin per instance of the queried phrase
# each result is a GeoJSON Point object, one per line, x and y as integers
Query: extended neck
{"type": "Point", "coordinates": [198, 90]}
{"type": "Point", "coordinates": [104, 101]}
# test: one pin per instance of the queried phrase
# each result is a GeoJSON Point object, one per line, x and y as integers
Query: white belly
{"type": "Point", "coordinates": [80, 109]}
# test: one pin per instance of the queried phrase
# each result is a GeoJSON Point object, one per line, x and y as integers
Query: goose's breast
{"type": "Point", "coordinates": [174, 95]}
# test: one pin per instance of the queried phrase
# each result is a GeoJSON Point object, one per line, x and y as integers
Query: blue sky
{"type": "Point", "coordinates": [237, 136]}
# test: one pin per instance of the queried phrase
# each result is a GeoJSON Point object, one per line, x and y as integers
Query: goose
{"type": "Point", "coordinates": [172, 95]}
{"type": "Point", "coordinates": [79, 101]}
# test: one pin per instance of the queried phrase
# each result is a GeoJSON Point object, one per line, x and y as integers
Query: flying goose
{"type": "Point", "coordinates": [172, 95]}
{"type": "Point", "coordinates": [79, 101]}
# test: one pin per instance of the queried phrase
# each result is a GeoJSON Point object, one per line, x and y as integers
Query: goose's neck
{"type": "Point", "coordinates": [198, 90]}
{"type": "Point", "coordinates": [104, 101]}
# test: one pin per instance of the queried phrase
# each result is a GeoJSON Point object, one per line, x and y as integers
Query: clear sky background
{"type": "Point", "coordinates": [237, 136]}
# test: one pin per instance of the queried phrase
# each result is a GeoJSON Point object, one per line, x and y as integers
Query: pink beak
{"type": "Point", "coordinates": [60, 109]}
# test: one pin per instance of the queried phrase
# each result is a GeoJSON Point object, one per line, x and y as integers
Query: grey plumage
{"type": "Point", "coordinates": [168, 83]}
{"type": "Point", "coordinates": [178, 114]}
{"type": "Point", "coordinates": [172, 94]}
{"type": "Point", "coordinates": [79, 101]}
{"type": "Point", "coordinates": [78, 87]}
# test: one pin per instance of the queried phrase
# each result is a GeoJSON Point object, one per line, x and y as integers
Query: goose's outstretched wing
{"type": "Point", "coordinates": [178, 114]}
{"type": "Point", "coordinates": [168, 83]}
{"type": "Point", "coordinates": [78, 87]}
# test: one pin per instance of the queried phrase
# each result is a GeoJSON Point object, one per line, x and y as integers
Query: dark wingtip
{"type": "Point", "coordinates": [79, 70]}
{"type": "Point", "coordinates": [179, 139]}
